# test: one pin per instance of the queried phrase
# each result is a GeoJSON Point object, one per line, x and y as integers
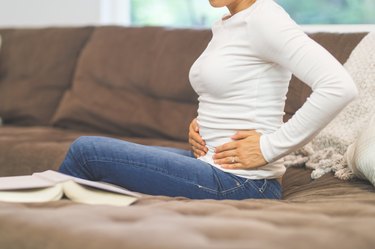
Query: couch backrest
{"type": "Point", "coordinates": [134, 82]}
{"type": "Point", "coordinates": [127, 81]}
{"type": "Point", "coordinates": [36, 67]}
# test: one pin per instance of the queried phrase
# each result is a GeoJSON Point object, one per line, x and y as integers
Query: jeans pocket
{"type": "Point", "coordinates": [267, 188]}
{"type": "Point", "coordinates": [224, 183]}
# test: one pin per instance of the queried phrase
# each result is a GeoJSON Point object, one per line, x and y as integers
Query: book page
{"type": "Point", "coordinates": [23, 182]}
{"type": "Point", "coordinates": [60, 177]}
{"type": "Point", "coordinates": [88, 195]}
{"type": "Point", "coordinates": [53, 176]}
{"type": "Point", "coordinates": [53, 193]}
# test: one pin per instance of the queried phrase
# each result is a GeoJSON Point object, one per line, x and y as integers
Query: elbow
{"type": "Point", "coordinates": [350, 90]}
{"type": "Point", "coordinates": [345, 88]}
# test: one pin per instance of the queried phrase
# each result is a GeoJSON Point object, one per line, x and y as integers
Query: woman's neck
{"type": "Point", "coordinates": [239, 5]}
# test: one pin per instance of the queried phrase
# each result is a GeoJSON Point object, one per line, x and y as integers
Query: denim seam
{"type": "Point", "coordinates": [164, 172]}
{"type": "Point", "coordinates": [260, 189]}
{"type": "Point", "coordinates": [217, 178]}
{"type": "Point", "coordinates": [82, 165]}
{"type": "Point", "coordinates": [127, 162]}
{"type": "Point", "coordinates": [224, 192]}
{"type": "Point", "coordinates": [241, 186]}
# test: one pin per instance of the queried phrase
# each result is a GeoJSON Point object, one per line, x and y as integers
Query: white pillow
{"type": "Point", "coordinates": [360, 155]}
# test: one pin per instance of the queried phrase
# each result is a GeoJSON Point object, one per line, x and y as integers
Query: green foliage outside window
{"type": "Point", "coordinates": [331, 11]}
{"type": "Point", "coordinates": [199, 13]}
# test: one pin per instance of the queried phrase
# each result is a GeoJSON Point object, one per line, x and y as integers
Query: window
{"type": "Point", "coordinates": [331, 11]}
{"type": "Point", "coordinates": [189, 13]}
{"type": "Point", "coordinates": [199, 13]}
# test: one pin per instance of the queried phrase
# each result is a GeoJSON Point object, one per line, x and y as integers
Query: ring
{"type": "Point", "coordinates": [233, 159]}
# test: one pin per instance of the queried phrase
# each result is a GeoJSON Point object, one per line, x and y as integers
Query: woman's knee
{"type": "Point", "coordinates": [81, 143]}
{"type": "Point", "coordinates": [80, 147]}
{"type": "Point", "coordinates": [76, 154]}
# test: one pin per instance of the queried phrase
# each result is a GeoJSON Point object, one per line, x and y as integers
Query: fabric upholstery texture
{"type": "Point", "coordinates": [36, 68]}
{"type": "Point", "coordinates": [131, 83]}
{"type": "Point", "coordinates": [141, 89]}
{"type": "Point", "coordinates": [24, 150]}
{"type": "Point", "coordinates": [326, 213]}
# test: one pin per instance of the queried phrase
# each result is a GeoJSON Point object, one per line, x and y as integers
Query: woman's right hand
{"type": "Point", "coordinates": [195, 140]}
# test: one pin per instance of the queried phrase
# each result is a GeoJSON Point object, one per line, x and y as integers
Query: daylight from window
{"type": "Point", "coordinates": [199, 13]}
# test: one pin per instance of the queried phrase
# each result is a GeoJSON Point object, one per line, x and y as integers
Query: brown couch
{"type": "Point", "coordinates": [132, 83]}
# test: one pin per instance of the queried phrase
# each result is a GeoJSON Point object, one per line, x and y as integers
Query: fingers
{"type": "Point", "coordinates": [242, 153]}
{"type": "Point", "coordinates": [244, 134]}
{"type": "Point", "coordinates": [197, 143]}
{"type": "Point", "coordinates": [232, 166]}
{"type": "Point", "coordinates": [225, 154]}
{"type": "Point", "coordinates": [195, 140]}
{"type": "Point", "coordinates": [194, 133]}
{"type": "Point", "coordinates": [226, 157]}
{"type": "Point", "coordinates": [225, 147]}
{"type": "Point", "coordinates": [198, 149]}
{"type": "Point", "coordinates": [194, 125]}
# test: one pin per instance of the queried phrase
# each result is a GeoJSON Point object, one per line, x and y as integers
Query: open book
{"type": "Point", "coordinates": [52, 185]}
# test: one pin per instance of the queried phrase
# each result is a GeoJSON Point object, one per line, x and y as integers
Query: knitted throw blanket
{"type": "Point", "coordinates": [325, 152]}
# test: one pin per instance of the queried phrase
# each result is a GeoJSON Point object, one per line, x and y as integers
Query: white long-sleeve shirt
{"type": "Point", "coordinates": [242, 79]}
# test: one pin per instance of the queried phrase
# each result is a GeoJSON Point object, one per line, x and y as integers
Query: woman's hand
{"type": "Point", "coordinates": [243, 153]}
{"type": "Point", "coordinates": [195, 140]}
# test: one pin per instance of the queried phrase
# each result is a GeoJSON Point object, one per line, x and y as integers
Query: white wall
{"type": "Point", "coordinates": [42, 13]}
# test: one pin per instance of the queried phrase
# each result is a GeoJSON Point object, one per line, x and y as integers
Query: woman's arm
{"type": "Point", "coordinates": [278, 39]}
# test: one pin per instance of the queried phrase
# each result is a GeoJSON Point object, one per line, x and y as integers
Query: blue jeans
{"type": "Point", "coordinates": [159, 171]}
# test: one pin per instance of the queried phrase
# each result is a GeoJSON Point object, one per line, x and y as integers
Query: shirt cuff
{"type": "Point", "coordinates": [265, 148]}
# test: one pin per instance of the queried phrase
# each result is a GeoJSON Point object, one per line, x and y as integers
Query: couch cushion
{"type": "Point", "coordinates": [299, 187]}
{"type": "Point", "coordinates": [134, 82]}
{"type": "Point", "coordinates": [24, 150]}
{"type": "Point", "coordinates": [36, 67]}
{"type": "Point", "coordinates": [340, 45]}
{"type": "Point", "coordinates": [345, 222]}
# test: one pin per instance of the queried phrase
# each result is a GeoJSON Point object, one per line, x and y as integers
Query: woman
{"type": "Point", "coordinates": [242, 79]}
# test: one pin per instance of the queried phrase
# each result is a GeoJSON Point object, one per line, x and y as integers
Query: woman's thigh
{"type": "Point", "coordinates": [156, 170]}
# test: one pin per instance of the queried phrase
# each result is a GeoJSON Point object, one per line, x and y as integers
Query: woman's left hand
{"type": "Point", "coordinates": [242, 153]}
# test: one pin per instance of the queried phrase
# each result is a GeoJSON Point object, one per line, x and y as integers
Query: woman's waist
{"type": "Point", "coordinates": [274, 170]}
{"type": "Point", "coordinates": [214, 137]}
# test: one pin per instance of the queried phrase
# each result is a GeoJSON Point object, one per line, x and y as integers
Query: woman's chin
{"type": "Point", "coordinates": [218, 3]}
